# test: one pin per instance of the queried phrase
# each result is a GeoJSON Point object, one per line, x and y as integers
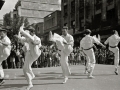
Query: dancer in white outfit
{"type": "Point", "coordinates": [65, 45]}
{"type": "Point", "coordinates": [113, 41]}
{"type": "Point", "coordinates": [86, 45]}
{"type": "Point", "coordinates": [32, 45]}
{"type": "Point", "coordinates": [5, 49]}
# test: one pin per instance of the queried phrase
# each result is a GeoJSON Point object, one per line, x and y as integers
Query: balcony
{"type": "Point", "coordinates": [111, 6]}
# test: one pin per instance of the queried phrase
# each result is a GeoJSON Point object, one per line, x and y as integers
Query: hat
{"type": "Point", "coordinates": [30, 28]}
{"type": "Point", "coordinates": [3, 29]}
{"type": "Point", "coordinates": [87, 31]}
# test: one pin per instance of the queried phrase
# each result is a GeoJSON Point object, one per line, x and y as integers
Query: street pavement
{"type": "Point", "coordinates": [50, 79]}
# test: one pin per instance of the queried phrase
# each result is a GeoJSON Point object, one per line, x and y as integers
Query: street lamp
{"type": "Point", "coordinates": [1, 3]}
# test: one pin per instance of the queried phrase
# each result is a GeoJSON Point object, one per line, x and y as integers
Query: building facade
{"type": "Point", "coordinates": [100, 16]}
{"type": "Point", "coordinates": [52, 22]}
{"type": "Point", "coordinates": [36, 10]}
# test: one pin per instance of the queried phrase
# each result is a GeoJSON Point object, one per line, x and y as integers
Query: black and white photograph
{"type": "Point", "coordinates": [59, 44]}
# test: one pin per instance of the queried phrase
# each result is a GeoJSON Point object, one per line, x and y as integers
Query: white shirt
{"type": "Point", "coordinates": [27, 42]}
{"type": "Point", "coordinates": [6, 39]}
{"type": "Point", "coordinates": [36, 38]}
{"type": "Point", "coordinates": [87, 42]}
{"type": "Point", "coordinates": [69, 39]}
{"type": "Point", "coordinates": [113, 40]}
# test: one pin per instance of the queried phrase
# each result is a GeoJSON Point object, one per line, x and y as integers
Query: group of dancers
{"type": "Point", "coordinates": [64, 45]}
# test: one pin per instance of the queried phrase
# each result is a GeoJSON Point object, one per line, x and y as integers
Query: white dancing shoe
{"type": "Point", "coordinates": [29, 87]}
{"type": "Point", "coordinates": [116, 71]}
{"type": "Point", "coordinates": [2, 81]}
{"type": "Point", "coordinates": [91, 77]}
{"type": "Point", "coordinates": [65, 80]}
{"type": "Point", "coordinates": [87, 71]}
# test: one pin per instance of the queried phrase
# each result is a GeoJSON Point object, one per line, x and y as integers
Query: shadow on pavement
{"type": "Point", "coordinates": [51, 73]}
{"type": "Point", "coordinates": [103, 74]}
{"type": "Point", "coordinates": [78, 74]}
{"type": "Point", "coordinates": [13, 86]}
{"type": "Point", "coordinates": [47, 84]}
{"type": "Point", "coordinates": [21, 86]}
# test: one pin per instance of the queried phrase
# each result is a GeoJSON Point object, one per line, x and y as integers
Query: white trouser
{"type": "Point", "coordinates": [4, 53]}
{"type": "Point", "coordinates": [29, 59]}
{"type": "Point", "coordinates": [90, 56]}
{"type": "Point", "coordinates": [31, 56]}
{"type": "Point", "coordinates": [1, 72]}
{"type": "Point", "coordinates": [116, 54]}
{"type": "Point", "coordinates": [65, 51]}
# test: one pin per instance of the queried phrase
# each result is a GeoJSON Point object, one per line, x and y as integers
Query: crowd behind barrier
{"type": "Point", "coordinates": [51, 58]}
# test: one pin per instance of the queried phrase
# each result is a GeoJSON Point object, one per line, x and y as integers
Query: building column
{"type": "Point", "coordinates": [62, 12]}
{"type": "Point", "coordinates": [118, 10]}
{"type": "Point", "coordinates": [104, 4]}
{"type": "Point", "coordinates": [69, 14]}
{"type": "Point", "coordinates": [77, 21]}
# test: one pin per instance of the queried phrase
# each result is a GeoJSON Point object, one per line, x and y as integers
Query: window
{"type": "Point", "coordinates": [73, 8]}
{"type": "Point", "coordinates": [81, 3]}
{"type": "Point", "coordinates": [65, 1]}
{"type": "Point", "coordinates": [15, 15]}
{"type": "Point", "coordinates": [65, 11]}
{"type": "Point", "coordinates": [109, 2]}
{"type": "Point", "coordinates": [98, 4]}
{"type": "Point", "coordinates": [38, 29]}
{"type": "Point", "coordinates": [73, 25]}
{"type": "Point", "coordinates": [65, 24]}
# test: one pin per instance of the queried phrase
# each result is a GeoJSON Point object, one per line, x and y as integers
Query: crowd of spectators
{"type": "Point", "coordinates": [51, 58]}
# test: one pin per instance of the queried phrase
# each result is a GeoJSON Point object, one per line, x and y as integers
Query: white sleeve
{"type": "Point", "coordinates": [119, 39]}
{"type": "Point", "coordinates": [37, 41]}
{"type": "Point", "coordinates": [7, 41]}
{"type": "Point", "coordinates": [40, 43]}
{"type": "Point", "coordinates": [22, 39]}
{"type": "Point", "coordinates": [81, 48]}
{"type": "Point", "coordinates": [106, 42]}
{"type": "Point", "coordinates": [71, 40]}
{"type": "Point", "coordinates": [95, 40]}
{"type": "Point", "coordinates": [58, 37]}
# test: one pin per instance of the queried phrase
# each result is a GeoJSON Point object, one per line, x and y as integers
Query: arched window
{"type": "Point", "coordinates": [38, 29]}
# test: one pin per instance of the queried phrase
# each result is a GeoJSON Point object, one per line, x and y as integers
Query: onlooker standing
{"type": "Point", "coordinates": [22, 58]}
{"type": "Point", "coordinates": [42, 58]}
{"type": "Point", "coordinates": [17, 59]}
{"type": "Point", "coordinates": [78, 58]}
{"type": "Point", "coordinates": [72, 58]}
{"type": "Point", "coordinates": [12, 58]}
